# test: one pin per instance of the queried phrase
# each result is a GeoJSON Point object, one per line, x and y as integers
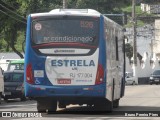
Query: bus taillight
{"type": "Point", "coordinates": [29, 74]}
{"type": "Point", "coordinates": [100, 74]}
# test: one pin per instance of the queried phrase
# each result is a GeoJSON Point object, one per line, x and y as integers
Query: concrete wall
{"type": "Point", "coordinates": [156, 44]}
{"type": "Point", "coordinates": [144, 68]}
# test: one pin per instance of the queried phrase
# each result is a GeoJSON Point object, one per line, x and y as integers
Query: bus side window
{"type": "Point", "coordinates": [116, 41]}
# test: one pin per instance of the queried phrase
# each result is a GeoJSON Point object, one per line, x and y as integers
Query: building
{"type": "Point", "coordinates": [145, 39]}
{"type": "Point", "coordinates": [150, 8]}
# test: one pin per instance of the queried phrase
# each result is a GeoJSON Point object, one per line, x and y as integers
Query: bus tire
{"type": "Point", "coordinates": [23, 98]}
{"type": "Point", "coordinates": [41, 107]}
{"type": "Point", "coordinates": [109, 106]}
{"type": "Point", "coordinates": [52, 107]}
{"type": "Point", "coordinates": [100, 105]}
{"type": "Point", "coordinates": [61, 104]}
{"type": "Point", "coordinates": [104, 106]}
{"type": "Point", "coordinates": [110, 103]}
{"type": "Point", "coordinates": [116, 103]}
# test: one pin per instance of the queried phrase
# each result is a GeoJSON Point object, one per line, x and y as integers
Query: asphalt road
{"type": "Point", "coordinates": [139, 100]}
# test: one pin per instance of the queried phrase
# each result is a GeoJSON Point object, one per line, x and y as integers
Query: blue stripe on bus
{"type": "Point", "coordinates": [102, 48]}
{"type": "Point", "coordinates": [26, 51]}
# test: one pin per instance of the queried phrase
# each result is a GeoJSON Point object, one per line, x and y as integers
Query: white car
{"type": "Point", "coordinates": [1, 84]}
{"type": "Point", "coordinates": [129, 78]}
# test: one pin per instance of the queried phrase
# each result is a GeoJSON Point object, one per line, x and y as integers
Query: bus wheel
{"type": "Point", "coordinates": [104, 106]}
{"type": "Point", "coordinates": [61, 105]}
{"type": "Point", "coordinates": [109, 106]}
{"type": "Point", "coordinates": [41, 106]}
{"type": "Point", "coordinates": [52, 107]}
{"type": "Point", "coordinates": [110, 103]}
{"type": "Point", "coordinates": [116, 103]}
{"type": "Point", "coordinates": [23, 98]}
{"type": "Point", "coordinates": [100, 105]}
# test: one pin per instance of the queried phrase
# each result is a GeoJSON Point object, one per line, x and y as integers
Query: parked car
{"type": "Point", "coordinates": [1, 84]}
{"type": "Point", "coordinates": [155, 77]}
{"type": "Point", "coordinates": [129, 78]}
{"type": "Point", "coordinates": [14, 85]}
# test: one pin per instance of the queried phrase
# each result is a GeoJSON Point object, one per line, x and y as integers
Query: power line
{"type": "Point", "coordinates": [12, 11]}
{"type": "Point", "coordinates": [13, 17]}
{"type": "Point", "coordinates": [8, 5]}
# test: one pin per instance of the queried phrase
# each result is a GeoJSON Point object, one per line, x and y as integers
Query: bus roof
{"type": "Point", "coordinates": [17, 61]}
{"type": "Point", "coordinates": [74, 12]}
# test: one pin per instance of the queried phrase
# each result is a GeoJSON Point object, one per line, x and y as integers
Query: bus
{"type": "Point", "coordinates": [74, 56]}
{"type": "Point", "coordinates": [16, 65]}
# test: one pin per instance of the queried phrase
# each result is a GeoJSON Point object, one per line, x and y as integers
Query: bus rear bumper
{"type": "Point", "coordinates": [64, 91]}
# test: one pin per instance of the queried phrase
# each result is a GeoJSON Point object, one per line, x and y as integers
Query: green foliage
{"type": "Point", "coordinates": [12, 21]}
{"type": "Point", "coordinates": [128, 9]}
{"type": "Point", "coordinates": [3, 46]}
{"type": "Point", "coordinates": [20, 39]}
{"type": "Point", "coordinates": [129, 50]}
{"type": "Point", "coordinates": [139, 13]}
{"type": "Point", "coordinates": [151, 1]}
{"type": "Point", "coordinates": [140, 23]}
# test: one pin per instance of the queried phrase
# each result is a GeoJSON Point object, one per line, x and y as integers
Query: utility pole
{"type": "Point", "coordinates": [134, 41]}
{"type": "Point", "coordinates": [134, 33]}
{"type": "Point", "coordinates": [64, 4]}
{"type": "Point", "coordinates": [153, 38]}
{"type": "Point", "coordinates": [152, 48]}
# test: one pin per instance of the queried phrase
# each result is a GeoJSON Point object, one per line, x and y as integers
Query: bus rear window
{"type": "Point", "coordinates": [65, 31]}
{"type": "Point", "coordinates": [13, 77]}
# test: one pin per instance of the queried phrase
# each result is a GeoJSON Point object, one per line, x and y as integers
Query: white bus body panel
{"type": "Point", "coordinates": [82, 73]}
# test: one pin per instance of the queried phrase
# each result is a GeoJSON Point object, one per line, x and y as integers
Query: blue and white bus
{"type": "Point", "coordinates": [74, 56]}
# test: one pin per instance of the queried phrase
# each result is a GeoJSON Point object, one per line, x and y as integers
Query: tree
{"type": "Point", "coordinates": [129, 51]}
{"type": "Point", "coordinates": [103, 6]}
{"type": "Point", "coordinates": [12, 22]}
{"type": "Point", "coordinates": [151, 1]}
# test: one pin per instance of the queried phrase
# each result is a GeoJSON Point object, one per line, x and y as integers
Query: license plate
{"type": "Point", "coordinates": [64, 81]}
{"type": "Point", "coordinates": [7, 93]}
{"type": "Point", "coordinates": [157, 80]}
